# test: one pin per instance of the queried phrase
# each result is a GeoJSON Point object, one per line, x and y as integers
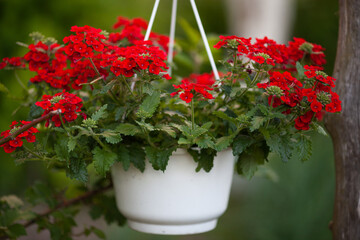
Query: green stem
{"type": "Point", "coordinates": [63, 124]}
{"type": "Point", "coordinates": [32, 152]}
{"type": "Point", "coordinates": [128, 86]}
{"type": "Point", "coordinates": [192, 115]}
{"type": "Point", "coordinates": [111, 94]}
{"type": "Point", "coordinates": [20, 82]}
{"type": "Point", "coordinates": [97, 139]}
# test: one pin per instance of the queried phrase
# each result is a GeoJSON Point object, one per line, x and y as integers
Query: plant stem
{"type": "Point", "coordinates": [32, 152]}
{"type": "Point", "coordinates": [29, 125]}
{"type": "Point", "coordinates": [20, 82]}
{"type": "Point", "coordinates": [111, 94]}
{"type": "Point", "coordinates": [128, 86]}
{"type": "Point", "coordinates": [192, 115]}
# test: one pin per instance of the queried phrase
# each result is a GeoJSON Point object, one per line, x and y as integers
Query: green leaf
{"type": "Point", "coordinates": [61, 149]}
{"type": "Point", "coordinates": [158, 157]}
{"type": "Point", "coordinates": [3, 88]}
{"type": "Point", "coordinates": [149, 105]}
{"type": "Point", "coordinates": [146, 126]}
{"type": "Point", "coordinates": [184, 141]}
{"type": "Point", "coordinates": [204, 142]}
{"type": "Point", "coordinates": [206, 159]}
{"type": "Point", "coordinates": [224, 116]}
{"type": "Point", "coordinates": [35, 111]}
{"type": "Point", "coordinates": [71, 144]}
{"type": "Point", "coordinates": [101, 113]}
{"type": "Point", "coordinates": [77, 170]}
{"type": "Point", "coordinates": [100, 234]}
{"type": "Point", "coordinates": [257, 122]}
{"type": "Point", "coordinates": [107, 87]}
{"type": "Point", "coordinates": [319, 129]}
{"type": "Point", "coordinates": [241, 142]}
{"type": "Point", "coordinates": [119, 112]}
{"type": "Point", "coordinates": [223, 143]}
{"type": "Point", "coordinates": [16, 230]}
{"type": "Point", "coordinates": [304, 148]}
{"type": "Point", "coordinates": [281, 145]}
{"type": "Point", "coordinates": [207, 125]}
{"type": "Point", "coordinates": [249, 160]}
{"type": "Point", "coordinates": [103, 160]}
{"type": "Point", "coordinates": [191, 33]}
{"type": "Point", "coordinates": [300, 69]}
{"type": "Point", "coordinates": [137, 157]}
{"type": "Point", "coordinates": [12, 200]}
{"type": "Point", "coordinates": [128, 129]}
{"type": "Point", "coordinates": [148, 88]}
{"type": "Point", "coordinates": [123, 156]}
{"type": "Point", "coordinates": [111, 137]}
{"type": "Point", "coordinates": [166, 129]}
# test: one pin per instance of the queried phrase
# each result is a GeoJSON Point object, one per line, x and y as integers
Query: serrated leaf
{"type": "Point", "coordinates": [207, 125]}
{"type": "Point", "coordinates": [166, 129]}
{"type": "Point", "coordinates": [300, 69]}
{"type": "Point", "coordinates": [145, 125]}
{"type": "Point", "coordinates": [148, 88]}
{"type": "Point", "coordinates": [128, 129]}
{"type": "Point", "coordinates": [103, 160]}
{"type": "Point", "coordinates": [137, 157]}
{"type": "Point", "coordinates": [158, 158]}
{"type": "Point", "coordinates": [206, 159]}
{"type": "Point", "coordinates": [12, 200]}
{"type": "Point", "coordinates": [249, 160]}
{"type": "Point", "coordinates": [35, 111]}
{"type": "Point", "coordinates": [77, 170]}
{"type": "Point", "coordinates": [107, 87]}
{"type": "Point", "coordinates": [101, 113]}
{"type": "Point", "coordinates": [205, 142]}
{"type": "Point", "coordinates": [319, 129]}
{"type": "Point", "coordinates": [149, 105]}
{"type": "Point", "coordinates": [226, 89]}
{"type": "Point", "coordinates": [257, 122]}
{"type": "Point", "coordinates": [71, 144]}
{"type": "Point", "coordinates": [111, 137]}
{"type": "Point", "coordinates": [100, 234]}
{"type": "Point", "coordinates": [304, 148]}
{"type": "Point", "coordinates": [241, 142]}
{"type": "Point", "coordinates": [223, 143]}
{"type": "Point", "coordinates": [224, 116]}
{"type": "Point", "coordinates": [119, 112]}
{"type": "Point", "coordinates": [235, 91]}
{"type": "Point", "coordinates": [184, 141]}
{"type": "Point", "coordinates": [61, 149]}
{"type": "Point", "coordinates": [123, 156]}
{"type": "Point", "coordinates": [281, 145]}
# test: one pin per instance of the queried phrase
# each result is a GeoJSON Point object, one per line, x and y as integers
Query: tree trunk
{"type": "Point", "coordinates": [345, 127]}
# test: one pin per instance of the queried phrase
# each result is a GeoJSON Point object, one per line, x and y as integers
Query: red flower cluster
{"type": "Point", "coordinates": [195, 83]}
{"type": "Point", "coordinates": [267, 50]}
{"type": "Point", "coordinates": [125, 61]}
{"type": "Point", "coordinates": [68, 103]}
{"type": "Point", "coordinates": [28, 135]}
{"type": "Point", "coordinates": [315, 96]}
{"type": "Point", "coordinates": [132, 30]}
{"type": "Point", "coordinates": [48, 62]}
{"type": "Point", "coordinates": [84, 43]}
{"type": "Point", "coordinates": [13, 62]}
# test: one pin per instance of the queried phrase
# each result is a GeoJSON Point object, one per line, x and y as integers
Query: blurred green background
{"type": "Point", "coordinates": [296, 206]}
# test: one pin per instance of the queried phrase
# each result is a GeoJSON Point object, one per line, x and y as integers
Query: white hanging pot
{"type": "Point", "coordinates": [177, 201]}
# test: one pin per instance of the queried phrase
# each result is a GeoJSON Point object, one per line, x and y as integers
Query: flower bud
{"type": "Point", "coordinates": [37, 37]}
{"type": "Point", "coordinates": [89, 123]}
{"type": "Point", "coordinates": [323, 97]}
{"type": "Point", "coordinates": [56, 99]}
{"type": "Point", "coordinates": [274, 91]}
{"type": "Point", "coordinates": [233, 43]}
{"type": "Point", "coordinates": [306, 47]}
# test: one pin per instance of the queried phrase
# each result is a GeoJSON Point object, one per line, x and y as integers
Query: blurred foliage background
{"type": "Point", "coordinates": [297, 204]}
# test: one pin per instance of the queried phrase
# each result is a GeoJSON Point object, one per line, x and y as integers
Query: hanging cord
{"type": "Point", "coordinates": [152, 18]}
{"type": "Point", "coordinates": [172, 36]}
{"type": "Point", "coordinates": [203, 35]}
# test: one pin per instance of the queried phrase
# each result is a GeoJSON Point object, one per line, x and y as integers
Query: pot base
{"type": "Point", "coordinates": [178, 229]}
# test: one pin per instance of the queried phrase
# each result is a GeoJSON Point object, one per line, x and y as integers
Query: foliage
{"type": "Point", "coordinates": [102, 98]}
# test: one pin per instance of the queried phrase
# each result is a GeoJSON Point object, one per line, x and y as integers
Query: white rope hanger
{"type": "Point", "coordinates": [172, 34]}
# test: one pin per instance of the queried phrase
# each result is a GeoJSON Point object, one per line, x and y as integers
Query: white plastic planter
{"type": "Point", "coordinates": [177, 201]}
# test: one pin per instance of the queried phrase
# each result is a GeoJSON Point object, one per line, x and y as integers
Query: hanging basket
{"type": "Point", "coordinates": [178, 201]}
